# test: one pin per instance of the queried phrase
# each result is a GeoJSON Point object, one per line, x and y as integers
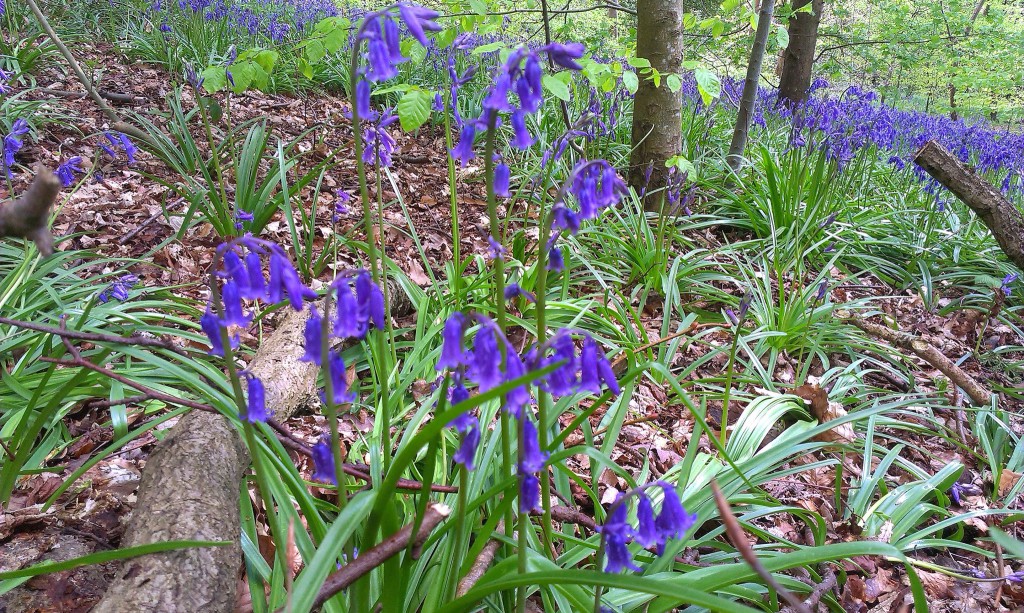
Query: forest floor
{"type": "Point", "coordinates": [120, 216]}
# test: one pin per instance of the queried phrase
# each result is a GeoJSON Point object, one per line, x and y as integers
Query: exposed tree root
{"type": "Point", "coordinates": [28, 216]}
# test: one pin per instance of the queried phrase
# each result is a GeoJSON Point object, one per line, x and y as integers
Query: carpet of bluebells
{"type": "Point", "coordinates": [504, 386]}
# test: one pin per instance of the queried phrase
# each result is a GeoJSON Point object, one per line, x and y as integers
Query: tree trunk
{"type": "Point", "coordinates": [746, 111]}
{"type": "Point", "coordinates": [657, 111]}
{"type": "Point", "coordinates": [798, 58]}
{"type": "Point", "coordinates": [999, 215]}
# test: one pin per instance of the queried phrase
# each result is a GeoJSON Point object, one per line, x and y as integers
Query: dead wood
{"type": "Point", "coordinates": [1003, 219]}
{"type": "Point", "coordinates": [378, 554]}
{"type": "Point", "coordinates": [481, 563]}
{"type": "Point", "coordinates": [29, 216]}
{"type": "Point", "coordinates": [112, 96]}
{"type": "Point", "coordinates": [924, 350]}
{"type": "Point", "coordinates": [190, 490]}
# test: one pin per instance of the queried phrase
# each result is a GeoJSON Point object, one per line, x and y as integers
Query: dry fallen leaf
{"type": "Point", "coordinates": [825, 411]}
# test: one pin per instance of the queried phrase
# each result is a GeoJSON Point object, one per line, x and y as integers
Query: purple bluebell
{"type": "Point", "coordinates": [483, 362]}
{"type": "Point", "coordinates": [313, 338]}
{"type": "Point", "coordinates": [241, 216]}
{"type": "Point", "coordinates": [210, 325]}
{"type": "Point", "coordinates": [555, 261]}
{"type": "Point", "coordinates": [66, 171]}
{"type": "Point", "coordinates": [564, 379]}
{"type": "Point", "coordinates": [339, 386]}
{"type": "Point", "coordinates": [501, 180]}
{"type": "Point", "coordinates": [257, 283]}
{"type": "Point", "coordinates": [563, 218]}
{"type": "Point", "coordinates": [518, 396]}
{"type": "Point", "coordinates": [463, 150]}
{"type": "Point", "coordinates": [452, 354]}
{"type": "Point", "coordinates": [236, 270]}
{"type": "Point", "coordinates": [1016, 576]}
{"type": "Point", "coordinates": [822, 291]}
{"type": "Point", "coordinates": [495, 250]}
{"type": "Point", "coordinates": [255, 404]}
{"type": "Point", "coordinates": [522, 139]}
{"type": "Point", "coordinates": [13, 143]}
{"type": "Point", "coordinates": [370, 300]}
{"type": "Point", "coordinates": [1007, 280]}
{"type": "Point", "coordinates": [346, 315]}
{"type": "Point", "coordinates": [646, 531]}
{"type": "Point", "coordinates": [529, 493]}
{"type": "Point", "coordinates": [532, 459]}
{"type": "Point", "coordinates": [468, 426]}
{"type": "Point", "coordinates": [418, 19]}
{"type": "Point", "coordinates": [616, 533]}
{"type": "Point", "coordinates": [673, 521]}
{"type": "Point", "coordinates": [379, 143]}
{"type": "Point", "coordinates": [565, 55]}
{"type": "Point", "coordinates": [118, 290]}
{"type": "Point", "coordinates": [595, 369]}
{"type": "Point", "coordinates": [285, 282]}
{"type": "Point", "coordinates": [323, 461]}
{"type": "Point", "coordinates": [234, 312]}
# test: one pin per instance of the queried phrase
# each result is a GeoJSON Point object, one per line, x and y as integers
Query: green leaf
{"type": "Point", "coordinates": [730, 5]}
{"type": "Point", "coordinates": [557, 86]}
{"type": "Point", "coordinates": [446, 37]}
{"type": "Point", "coordinates": [489, 47]}
{"type": "Point", "coordinates": [214, 79]}
{"type": "Point", "coordinates": [479, 7]}
{"type": "Point", "coordinates": [708, 84]}
{"type": "Point", "coordinates": [782, 36]}
{"type": "Point", "coordinates": [414, 109]}
{"type": "Point", "coordinates": [412, 49]}
{"type": "Point", "coordinates": [266, 60]}
{"type": "Point", "coordinates": [639, 62]}
{"type": "Point", "coordinates": [683, 165]}
{"type": "Point", "coordinates": [630, 80]}
{"type": "Point", "coordinates": [674, 83]}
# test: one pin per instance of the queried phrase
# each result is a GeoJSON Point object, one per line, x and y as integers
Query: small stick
{"type": "Point", "coordinates": [43, 23]}
{"type": "Point", "coordinates": [127, 237]}
{"type": "Point", "coordinates": [820, 590]}
{"type": "Point", "coordinates": [92, 337]}
{"type": "Point", "coordinates": [739, 541]}
{"type": "Point", "coordinates": [482, 562]}
{"type": "Point", "coordinates": [377, 555]}
{"type": "Point", "coordinates": [979, 395]}
{"type": "Point", "coordinates": [112, 96]}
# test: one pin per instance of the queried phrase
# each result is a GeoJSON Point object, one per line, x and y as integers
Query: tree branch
{"type": "Point", "coordinates": [28, 217]}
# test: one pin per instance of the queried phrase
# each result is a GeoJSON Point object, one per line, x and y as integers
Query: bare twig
{"type": "Point", "coordinates": [979, 395]}
{"type": "Point", "coordinates": [112, 96]}
{"type": "Point", "coordinates": [92, 337]}
{"type": "Point", "coordinates": [127, 237]}
{"type": "Point", "coordinates": [45, 25]}
{"type": "Point", "coordinates": [377, 555]}
{"type": "Point", "coordinates": [28, 217]}
{"type": "Point", "coordinates": [820, 590]}
{"type": "Point", "coordinates": [482, 562]}
{"type": "Point", "coordinates": [739, 540]}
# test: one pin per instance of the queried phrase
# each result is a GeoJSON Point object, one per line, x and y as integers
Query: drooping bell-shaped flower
{"type": "Point", "coordinates": [452, 354]}
{"type": "Point", "coordinates": [673, 521]}
{"type": "Point", "coordinates": [323, 461]}
{"type": "Point", "coordinates": [313, 338]}
{"type": "Point", "coordinates": [646, 531]}
{"type": "Point", "coordinates": [256, 404]}
{"type": "Point", "coordinates": [484, 360]}
{"type": "Point", "coordinates": [617, 533]}
{"type": "Point", "coordinates": [339, 387]}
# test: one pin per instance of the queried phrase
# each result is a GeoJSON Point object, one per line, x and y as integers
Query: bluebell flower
{"type": "Point", "coordinates": [363, 108]}
{"type": "Point", "coordinates": [564, 379]}
{"type": "Point", "coordinates": [452, 354]}
{"type": "Point", "coordinates": [241, 216]}
{"type": "Point", "coordinates": [822, 290]}
{"type": "Point", "coordinates": [518, 396]}
{"type": "Point", "coordinates": [529, 493]}
{"type": "Point", "coordinates": [501, 180]}
{"type": "Point", "coordinates": [468, 426]}
{"type": "Point", "coordinates": [313, 338]}
{"type": "Point", "coordinates": [513, 290]}
{"type": "Point", "coordinates": [646, 531]}
{"type": "Point", "coordinates": [118, 290]}
{"type": "Point", "coordinates": [565, 55]}
{"type": "Point", "coordinates": [346, 314]}
{"type": "Point", "coordinates": [1007, 280]}
{"type": "Point", "coordinates": [562, 218]}
{"type": "Point", "coordinates": [234, 313]}
{"type": "Point", "coordinates": [255, 404]}
{"type": "Point", "coordinates": [522, 139]}
{"type": "Point", "coordinates": [595, 369]}
{"type": "Point", "coordinates": [555, 261]}
{"type": "Point", "coordinates": [257, 283]}
{"type": "Point", "coordinates": [494, 249]}
{"type": "Point", "coordinates": [210, 325]}
{"type": "Point", "coordinates": [236, 270]}
{"type": "Point", "coordinates": [66, 171]}
{"type": "Point", "coordinates": [323, 461]}
{"type": "Point", "coordinates": [418, 19]}
{"type": "Point", "coordinates": [13, 143]}
{"type": "Point", "coordinates": [617, 533]}
{"type": "Point", "coordinates": [532, 459]}
{"type": "Point", "coordinates": [463, 150]}
{"type": "Point", "coordinates": [370, 299]}
{"type": "Point", "coordinates": [379, 144]}
{"type": "Point", "coordinates": [673, 521]}
{"type": "Point", "coordinates": [339, 387]}
{"type": "Point", "coordinates": [484, 360]}
{"type": "Point", "coordinates": [285, 282]}
{"type": "Point", "coordinates": [1016, 576]}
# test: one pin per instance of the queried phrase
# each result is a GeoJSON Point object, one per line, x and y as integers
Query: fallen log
{"type": "Point", "coordinates": [190, 487]}
{"type": "Point", "coordinates": [1000, 216]}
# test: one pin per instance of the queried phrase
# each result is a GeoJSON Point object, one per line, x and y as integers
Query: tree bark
{"type": "Point", "coordinates": [746, 110]}
{"type": "Point", "coordinates": [798, 57]}
{"type": "Point", "coordinates": [29, 216]}
{"type": "Point", "coordinates": [1003, 219]}
{"type": "Point", "coordinates": [657, 111]}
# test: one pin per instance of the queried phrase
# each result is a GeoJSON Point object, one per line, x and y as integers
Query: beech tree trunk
{"type": "Point", "coordinates": [1000, 216]}
{"type": "Point", "coordinates": [746, 111]}
{"type": "Point", "coordinates": [657, 111]}
{"type": "Point", "coordinates": [798, 57]}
